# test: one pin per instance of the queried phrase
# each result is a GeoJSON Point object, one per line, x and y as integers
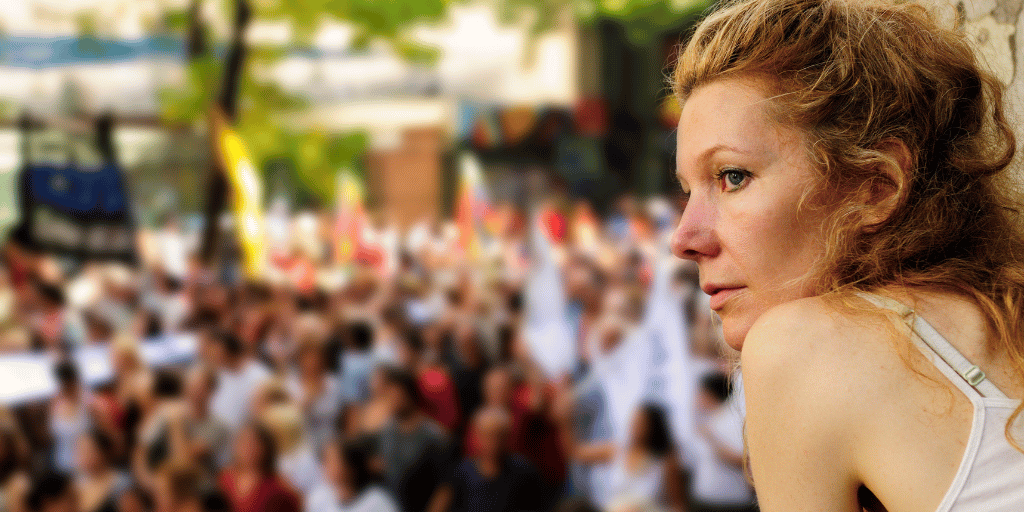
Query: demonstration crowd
{"type": "Point", "coordinates": [415, 378]}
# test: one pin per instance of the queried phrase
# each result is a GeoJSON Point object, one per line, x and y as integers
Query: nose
{"type": "Point", "coordinates": [694, 237]}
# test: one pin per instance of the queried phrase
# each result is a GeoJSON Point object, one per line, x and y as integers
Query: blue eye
{"type": "Point", "coordinates": [732, 179]}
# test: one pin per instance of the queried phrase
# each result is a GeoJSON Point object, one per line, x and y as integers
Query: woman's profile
{"type": "Point", "coordinates": [851, 204]}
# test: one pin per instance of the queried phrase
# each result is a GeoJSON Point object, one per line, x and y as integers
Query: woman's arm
{"type": "Point", "coordinates": [798, 425]}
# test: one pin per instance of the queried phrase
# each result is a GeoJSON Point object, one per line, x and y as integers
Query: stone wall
{"type": "Point", "coordinates": [997, 27]}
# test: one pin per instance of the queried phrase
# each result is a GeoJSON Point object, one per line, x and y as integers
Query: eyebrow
{"type": "Point", "coordinates": [706, 154]}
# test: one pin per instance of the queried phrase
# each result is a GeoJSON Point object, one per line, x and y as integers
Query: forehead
{"type": "Point", "coordinates": [728, 114]}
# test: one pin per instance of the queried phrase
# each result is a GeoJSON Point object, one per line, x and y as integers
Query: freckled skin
{"type": "Point", "coordinates": [750, 235]}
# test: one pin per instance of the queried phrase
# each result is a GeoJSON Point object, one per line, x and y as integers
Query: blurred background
{"type": "Point", "coordinates": [575, 89]}
{"type": "Point", "coordinates": [359, 255]}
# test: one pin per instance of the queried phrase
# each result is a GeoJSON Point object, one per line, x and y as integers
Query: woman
{"type": "Point", "coordinates": [366, 420]}
{"type": "Point", "coordinates": [251, 483]}
{"type": "Point", "coordinates": [846, 168]}
{"type": "Point", "coordinates": [70, 415]}
{"type": "Point", "coordinates": [718, 482]}
{"type": "Point", "coordinates": [346, 485]}
{"type": "Point", "coordinates": [99, 485]}
{"type": "Point", "coordinates": [643, 475]}
{"type": "Point", "coordinates": [296, 459]}
{"type": "Point", "coordinates": [160, 435]}
{"type": "Point", "coordinates": [317, 392]}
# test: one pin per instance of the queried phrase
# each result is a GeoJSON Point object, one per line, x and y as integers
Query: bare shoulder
{"type": "Point", "coordinates": [811, 334]}
{"type": "Point", "coordinates": [813, 372]}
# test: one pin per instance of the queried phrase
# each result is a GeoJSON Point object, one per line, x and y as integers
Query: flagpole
{"type": "Point", "coordinates": [216, 198]}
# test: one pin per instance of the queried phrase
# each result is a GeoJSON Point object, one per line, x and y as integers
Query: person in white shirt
{"type": "Point", "coordinates": [237, 376]}
{"type": "Point", "coordinates": [719, 483]}
{"type": "Point", "coordinates": [346, 483]}
{"type": "Point", "coordinates": [317, 392]}
{"type": "Point", "coordinates": [296, 459]}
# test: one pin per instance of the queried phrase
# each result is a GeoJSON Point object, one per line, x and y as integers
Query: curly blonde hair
{"type": "Point", "coordinates": [856, 76]}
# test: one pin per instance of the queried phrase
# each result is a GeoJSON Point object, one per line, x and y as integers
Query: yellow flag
{"type": "Point", "coordinates": [350, 216]}
{"type": "Point", "coordinates": [246, 195]}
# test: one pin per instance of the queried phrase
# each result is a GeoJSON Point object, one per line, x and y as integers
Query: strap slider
{"type": "Point", "coordinates": [974, 376]}
{"type": "Point", "coordinates": [905, 312]}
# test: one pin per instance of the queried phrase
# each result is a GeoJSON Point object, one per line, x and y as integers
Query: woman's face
{"type": "Point", "coordinates": [248, 449]}
{"type": "Point", "coordinates": [742, 224]}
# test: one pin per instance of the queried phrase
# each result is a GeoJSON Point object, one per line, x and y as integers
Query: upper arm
{"type": "Point", "coordinates": [797, 421]}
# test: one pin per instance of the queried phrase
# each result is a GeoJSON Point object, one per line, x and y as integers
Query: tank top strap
{"type": "Point", "coordinates": [957, 368]}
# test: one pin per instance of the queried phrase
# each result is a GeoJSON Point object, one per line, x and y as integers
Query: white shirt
{"type": "Point", "coordinates": [230, 402]}
{"type": "Point", "coordinates": [173, 253]}
{"type": "Point", "coordinates": [643, 489]}
{"type": "Point", "coordinates": [714, 481]}
{"type": "Point", "coordinates": [300, 468]}
{"type": "Point", "coordinates": [322, 413]}
{"type": "Point", "coordinates": [325, 499]}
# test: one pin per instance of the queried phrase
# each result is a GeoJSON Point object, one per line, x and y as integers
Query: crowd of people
{"type": "Point", "coordinates": [404, 383]}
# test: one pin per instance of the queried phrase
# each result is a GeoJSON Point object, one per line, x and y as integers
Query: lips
{"type": "Point", "coordinates": [720, 294]}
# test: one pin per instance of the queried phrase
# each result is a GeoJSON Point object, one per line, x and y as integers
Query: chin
{"type": "Point", "coordinates": [734, 334]}
{"type": "Point", "coordinates": [735, 326]}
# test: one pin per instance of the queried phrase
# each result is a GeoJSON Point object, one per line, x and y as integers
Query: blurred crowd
{"type": "Point", "coordinates": [401, 381]}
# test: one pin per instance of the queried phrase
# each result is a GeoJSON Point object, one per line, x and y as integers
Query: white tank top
{"type": "Point", "coordinates": [991, 474]}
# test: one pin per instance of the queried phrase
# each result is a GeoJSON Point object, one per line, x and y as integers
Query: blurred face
{"type": "Point", "coordinates": [206, 347]}
{"type": "Point", "coordinates": [577, 281]}
{"type": "Point", "coordinates": [615, 304]}
{"type": "Point", "coordinates": [197, 388]}
{"type": "Point", "coordinates": [396, 398]}
{"type": "Point", "coordinates": [248, 450]}
{"type": "Point", "coordinates": [144, 390]}
{"type": "Point", "coordinates": [497, 388]}
{"type": "Point", "coordinates": [249, 333]}
{"type": "Point", "coordinates": [310, 363]}
{"type": "Point", "coordinates": [122, 361]}
{"type": "Point", "coordinates": [466, 343]}
{"type": "Point", "coordinates": [745, 176]}
{"type": "Point", "coordinates": [492, 433]}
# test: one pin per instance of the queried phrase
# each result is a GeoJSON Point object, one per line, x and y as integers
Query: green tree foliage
{"type": "Point", "coordinates": [643, 20]}
{"type": "Point", "coordinates": [315, 155]}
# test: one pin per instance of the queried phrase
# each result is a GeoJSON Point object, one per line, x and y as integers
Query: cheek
{"type": "Point", "coordinates": [770, 243]}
